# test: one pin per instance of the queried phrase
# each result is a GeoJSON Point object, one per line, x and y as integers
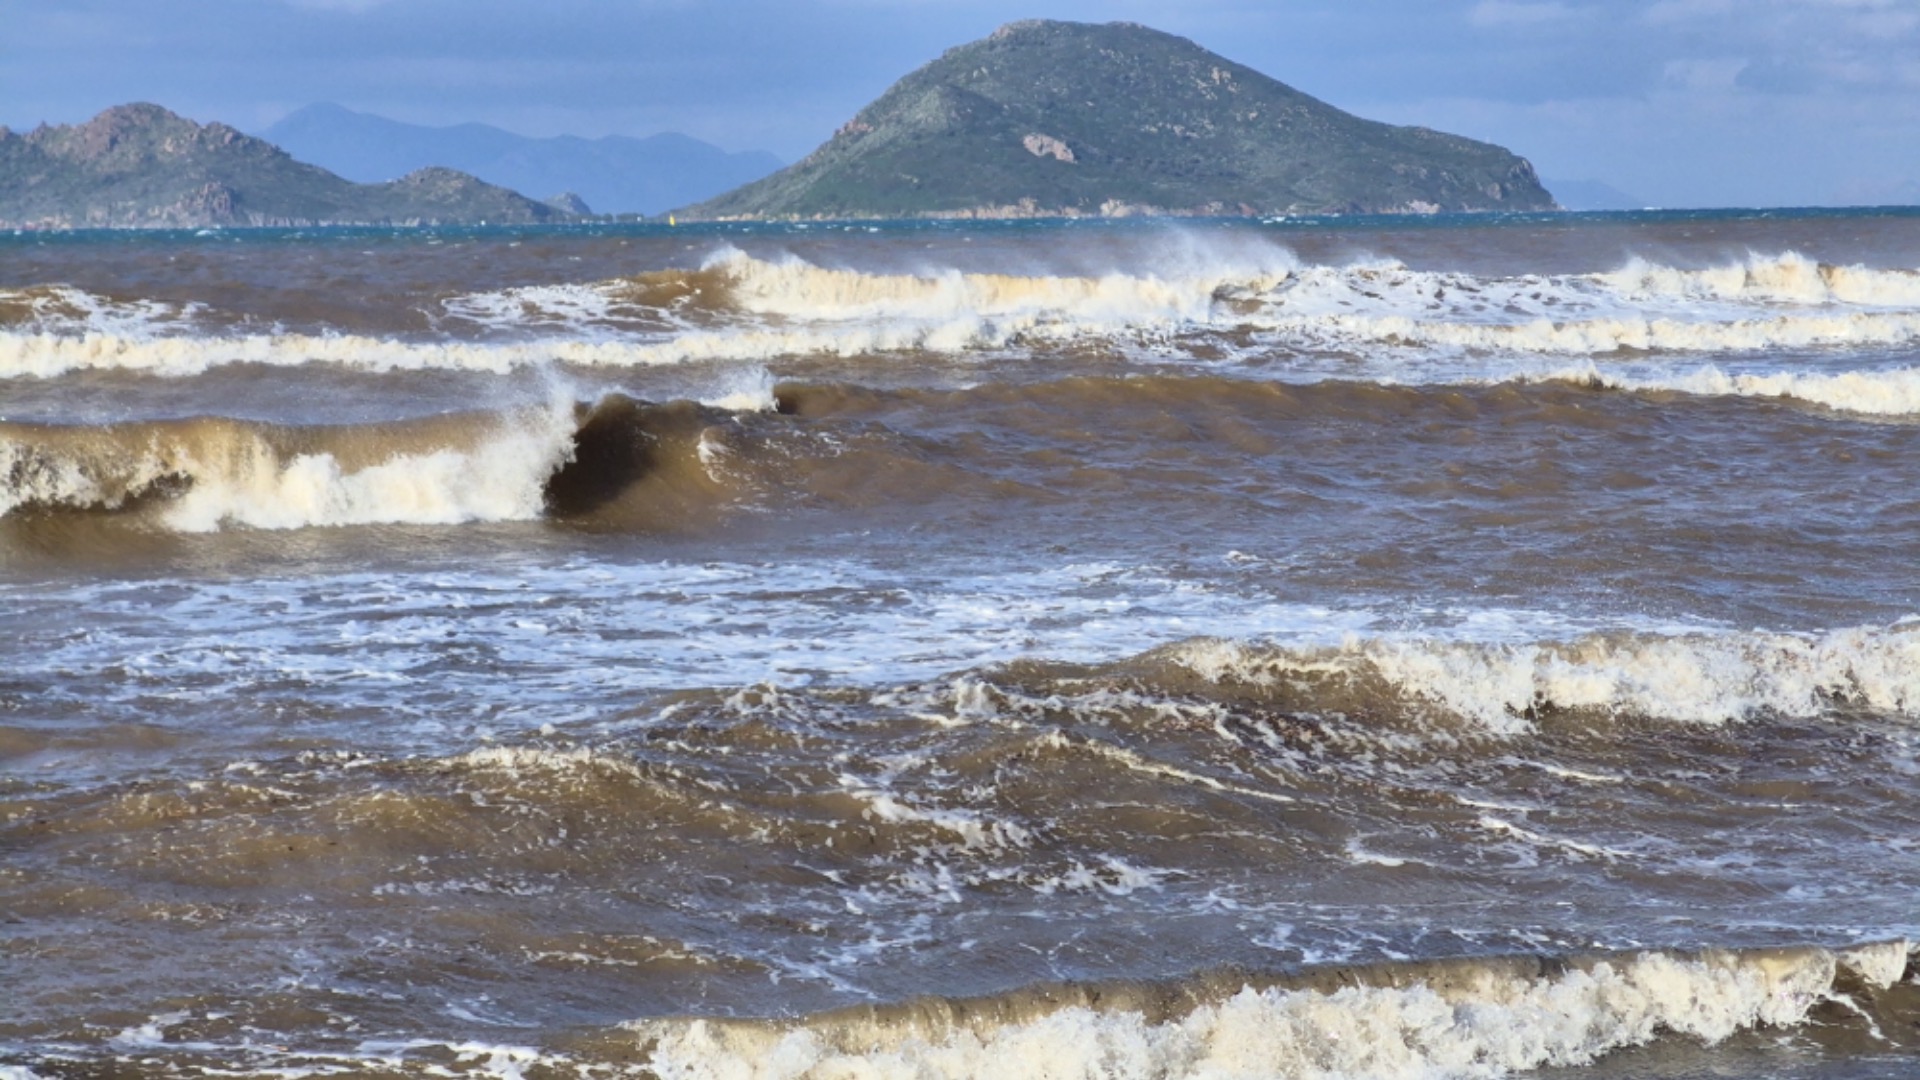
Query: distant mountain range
{"type": "Point", "coordinates": [1045, 118]}
{"type": "Point", "coordinates": [613, 175]}
{"type": "Point", "coordinates": [140, 166]}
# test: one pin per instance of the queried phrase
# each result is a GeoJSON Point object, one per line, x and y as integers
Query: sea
{"type": "Point", "coordinates": [1462, 646]}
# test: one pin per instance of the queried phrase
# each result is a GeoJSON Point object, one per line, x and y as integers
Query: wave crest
{"type": "Point", "coordinates": [638, 464]}
{"type": "Point", "coordinates": [1417, 326]}
{"type": "Point", "coordinates": [1435, 1019]}
{"type": "Point", "coordinates": [204, 474]}
{"type": "Point", "coordinates": [1505, 688]}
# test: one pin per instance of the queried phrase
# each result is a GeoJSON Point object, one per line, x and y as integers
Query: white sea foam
{"type": "Point", "coordinates": [500, 478]}
{"type": "Point", "coordinates": [41, 355]}
{"type": "Point", "coordinates": [723, 623]}
{"type": "Point", "coordinates": [795, 289]}
{"type": "Point", "coordinates": [63, 309]}
{"type": "Point", "coordinates": [1607, 334]}
{"type": "Point", "coordinates": [1704, 678]}
{"type": "Point", "coordinates": [1760, 304]}
{"type": "Point", "coordinates": [516, 762]}
{"type": "Point", "coordinates": [1486, 1026]}
{"type": "Point", "coordinates": [440, 488]}
{"type": "Point", "coordinates": [577, 308]}
{"type": "Point", "coordinates": [766, 309]}
{"type": "Point", "coordinates": [239, 477]}
{"type": "Point", "coordinates": [1888, 392]}
{"type": "Point", "coordinates": [57, 481]}
{"type": "Point", "coordinates": [742, 390]}
{"type": "Point", "coordinates": [1496, 670]}
{"type": "Point", "coordinates": [970, 828]}
{"type": "Point", "coordinates": [1493, 670]}
{"type": "Point", "coordinates": [1789, 278]}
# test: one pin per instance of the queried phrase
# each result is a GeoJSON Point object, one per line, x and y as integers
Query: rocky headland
{"type": "Point", "coordinates": [1046, 118]}
{"type": "Point", "coordinates": [141, 166]}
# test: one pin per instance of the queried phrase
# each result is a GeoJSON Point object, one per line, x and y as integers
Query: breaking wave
{"type": "Point", "coordinates": [1506, 687]}
{"type": "Point", "coordinates": [738, 307]}
{"type": "Point", "coordinates": [200, 475]}
{"type": "Point", "coordinates": [1888, 392]}
{"type": "Point", "coordinates": [1763, 303]}
{"type": "Point", "coordinates": [209, 473]}
{"type": "Point", "coordinates": [45, 355]}
{"type": "Point", "coordinates": [1790, 278]}
{"type": "Point", "coordinates": [1422, 1020]}
{"type": "Point", "coordinates": [1467, 1018]}
{"type": "Point", "coordinates": [624, 463]}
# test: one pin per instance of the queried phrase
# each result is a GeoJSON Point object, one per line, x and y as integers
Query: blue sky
{"type": "Point", "coordinates": [1679, 102]}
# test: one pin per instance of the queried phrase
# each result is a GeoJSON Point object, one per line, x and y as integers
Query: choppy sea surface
{"type": "Point", "coordinates": [1457, 647]}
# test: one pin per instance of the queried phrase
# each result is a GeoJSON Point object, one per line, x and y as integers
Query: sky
{"type": "Point", "coordinates": [1678, 103]}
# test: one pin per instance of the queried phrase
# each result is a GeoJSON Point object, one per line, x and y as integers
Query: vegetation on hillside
{"type": "Point", "coordinates": [142, 166]}
{"type": "Point", "coordinates": [1048, 117]}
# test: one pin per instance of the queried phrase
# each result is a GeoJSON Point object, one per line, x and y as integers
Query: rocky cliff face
{"type": "Point", "coordinates": [142, 166]}
{"type": "Point", "coordinates": [1069, 118]}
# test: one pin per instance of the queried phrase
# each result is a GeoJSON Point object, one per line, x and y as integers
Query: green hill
{"type": "Point", "coordinates": [140, 166]}
{"type": "Point", "coordinates": [1049, 117]}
